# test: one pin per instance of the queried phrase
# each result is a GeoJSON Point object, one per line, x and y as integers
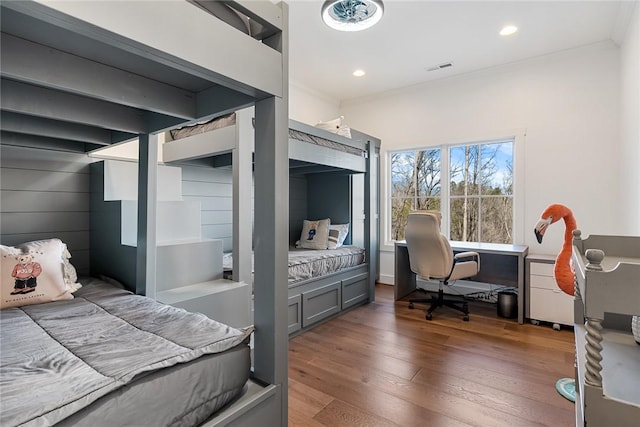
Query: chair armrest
{"type": "Point", "coordinates": [462, 255]}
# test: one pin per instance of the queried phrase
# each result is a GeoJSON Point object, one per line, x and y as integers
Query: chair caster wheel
{"type": "Point", "coordinates": [410, 305]}
{"type": "Point", "coordinates": [428, 316]}
{"type": "Point", "coordinates": [465, 318]}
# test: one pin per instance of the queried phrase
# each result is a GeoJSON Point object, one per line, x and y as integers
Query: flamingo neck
{"type": "Point", "coordinates": [570, 225]}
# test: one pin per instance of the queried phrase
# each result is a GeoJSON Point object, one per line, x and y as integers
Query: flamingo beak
{"type": "Point", "coordinates": [541, 227]}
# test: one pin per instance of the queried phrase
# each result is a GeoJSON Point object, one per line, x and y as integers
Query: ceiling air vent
{"type": "Point", "coordinates": [440, 66]}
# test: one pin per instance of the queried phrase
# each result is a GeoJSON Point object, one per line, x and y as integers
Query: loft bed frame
{"type": "Point", "coordinates": [330, 160]}
{"type": "Point", "coordinates": [81, 75]}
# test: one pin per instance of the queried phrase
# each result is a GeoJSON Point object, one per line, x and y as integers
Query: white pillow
{"type": "Point", "coordinates": [337, 235]}
{"type": "Point", "coordinates": [34, 273]}
{"type": "Point", "coordinates": [315, 234]}
{"type": "Point", "coordinates": [331, 125]}
{"type": "Point", "coordinates": [336, 126]}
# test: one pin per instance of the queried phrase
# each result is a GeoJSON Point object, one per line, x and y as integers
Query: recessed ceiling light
{"type": "Point", "coordinates": [508, 30]}
{"type": "Point", "coordinates": [358, 73]}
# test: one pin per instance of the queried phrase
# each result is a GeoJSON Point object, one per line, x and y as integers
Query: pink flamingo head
{"type": "Point", "coordinates": [550, 215]}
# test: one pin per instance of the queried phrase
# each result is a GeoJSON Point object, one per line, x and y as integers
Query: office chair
{"type": "Point", "coordinates": [431, 257]}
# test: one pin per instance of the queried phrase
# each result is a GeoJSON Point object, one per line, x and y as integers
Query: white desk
{"type": "Point", "coordinates": [499, 263]}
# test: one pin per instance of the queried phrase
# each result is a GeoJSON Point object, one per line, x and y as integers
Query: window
{"type": "Point", "coordinates": [476, 204]}
{"type": "Point", "coordinates": [415, 184]}
{"type": "Point", "coordinates": [481, 192]}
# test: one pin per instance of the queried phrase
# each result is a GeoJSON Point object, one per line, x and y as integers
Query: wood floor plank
{"type": "Point", "coordinates": [339, 413]}
{"type": "Point", "coordinates": [384, 364]}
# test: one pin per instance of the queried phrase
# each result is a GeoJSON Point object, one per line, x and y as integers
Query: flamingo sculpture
{"type": "Point", "coordinates": [562, 270]}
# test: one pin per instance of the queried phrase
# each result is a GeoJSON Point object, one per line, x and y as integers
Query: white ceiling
{"type": "Point", "coordinates": [416, 35]}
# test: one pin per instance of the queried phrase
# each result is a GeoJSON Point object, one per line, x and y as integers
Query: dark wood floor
{"type": "Point", "coordinates": [385, 365]}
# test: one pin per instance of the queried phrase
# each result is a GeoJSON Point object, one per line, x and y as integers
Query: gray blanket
{"type": "Point", "coordinates": [57, 358]}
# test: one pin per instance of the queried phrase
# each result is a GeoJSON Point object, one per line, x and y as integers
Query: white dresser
{"type": "Point", "coordinates": [546, 301]}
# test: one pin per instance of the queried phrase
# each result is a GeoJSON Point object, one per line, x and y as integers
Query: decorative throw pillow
{"type": "Point", "coordinates": [315, 234]}
{"type": "Point", "coordinates": [336, 126]}
{"type": "Point", "coordinates": [33, 273]}
{"type": "Point", "coordinates": [337, 234]}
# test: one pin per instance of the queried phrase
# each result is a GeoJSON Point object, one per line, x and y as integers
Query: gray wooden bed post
{"type": "Point", "coordinates": [271, 235]}
{"type": "Point", "coordinates": [372, 203]}
{"type": "Point", "coordinates": [147, 201]}
{"type": "Point", "coordinates": [242, 188]}
{"type": "Point", "coordinates": [271, 245]}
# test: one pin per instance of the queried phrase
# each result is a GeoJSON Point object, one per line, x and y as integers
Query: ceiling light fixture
{"type": "Point", "coordinates": [352, 15]}
{"type": "Point", "coordinates": [508, 30]}
{"type": "Point", "coordinates": [358, 73]}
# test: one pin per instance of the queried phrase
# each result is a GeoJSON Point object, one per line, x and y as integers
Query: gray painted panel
{"type": "Point", "coordinates": [355, 290]}
{"type": "Point", "coordinates": [297, 206]}
{"type": "Point", "coordinates": [217, 217]}
{"type": "Point", "coordinates": [186, 264]}
{"type": "Point", "coordinates": [45, 214]}
{"type": "Point", "coordinates": [295, 313]}
{"type": "Point", "coordinates": [212, 203]}
{"type": "Point", "coordinates": [321, 303]}
{"type": "Point", "coordinates": [195, 188]}
{"type": "Point", "coordinates": [223, 230]}
{"type": "Point", "coordinates": [192, 173]}
{"type": "Point", "coordinates": [75, 240]}
{"type": "Point", "coordinates": [39, 222]}
{"type": "Point", "coordinates": [43, 201]}
{"type": "Point", "coordinates": [43, 143]}
{"type": "Point", "coordinates": [36, 180]}
{"type": "Point", "coordinates": [329, 196]}
{"type": "Point", "coordinates": [43, 160]}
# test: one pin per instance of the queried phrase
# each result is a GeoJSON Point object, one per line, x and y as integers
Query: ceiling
{"type": "Point", "coordinates": [416, 35]}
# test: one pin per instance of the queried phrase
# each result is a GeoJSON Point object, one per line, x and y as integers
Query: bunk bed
{"type": "Point", "coordinates": [323, 167]}
{"type": "Point", "coordinates": [77, 76]}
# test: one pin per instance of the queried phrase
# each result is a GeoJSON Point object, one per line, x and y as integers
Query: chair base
{"type": "Point", "coordinates": [438, 300]}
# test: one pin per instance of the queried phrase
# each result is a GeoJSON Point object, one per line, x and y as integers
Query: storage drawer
{"type": "Point", "coordinates": [541, 269]}
{"type": "Point", "coordinates": [543, 282]}
{"type": "Point", "coordinates": [551, 306]}
{"type": "Point", "coordinates": [355, 290]}
{"type": "Point", "coordinates": [295, 313]}
{"type": "Point", "coordinates": [321, 303]}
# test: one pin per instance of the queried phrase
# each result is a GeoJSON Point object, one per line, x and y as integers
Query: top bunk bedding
{"type": "Point", "coordinates": [297, 131]}
{"type": "Point", "coordinates": [60, 357]}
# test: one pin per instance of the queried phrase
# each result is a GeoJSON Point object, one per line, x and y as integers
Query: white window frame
{"type": "Point", "coordinates": [518, 139]}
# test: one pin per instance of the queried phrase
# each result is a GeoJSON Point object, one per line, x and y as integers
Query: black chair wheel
{"type": "Point", "coordinates": [428, 316]}
{"type": "Point", "coordinates": [410, 305]}
{"type": "Point", "coordinates": [465, 318]}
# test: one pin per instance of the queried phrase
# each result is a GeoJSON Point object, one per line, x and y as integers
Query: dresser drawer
{"type": "Point", "coordinates": [551, 306]}
{"type": "Point", "coordinates": [541, 269]}
{"type": "Point", "coordinates": [543, 282]}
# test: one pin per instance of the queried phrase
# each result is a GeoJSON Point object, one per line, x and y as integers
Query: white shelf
{"type": "Point", "coordinates": [223, 300]}
{"type": "Point", "coordinates": [198, 290]}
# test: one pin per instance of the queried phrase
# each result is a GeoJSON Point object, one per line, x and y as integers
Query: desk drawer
{"type": "Point", "coordinates": [541, 269]}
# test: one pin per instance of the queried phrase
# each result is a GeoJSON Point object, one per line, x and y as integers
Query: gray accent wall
{"type": "Point", "coordinates": [45, 194]}
{"type": "Point", "coordinates": [297, 206]}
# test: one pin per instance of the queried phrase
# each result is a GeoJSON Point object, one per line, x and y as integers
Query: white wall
{"type": "Point", "coordinates": [566, 103]}
{"type": "Point", "coordinates": [309, 106]}
{"type": "Point", "coordinates": [630, 125]}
